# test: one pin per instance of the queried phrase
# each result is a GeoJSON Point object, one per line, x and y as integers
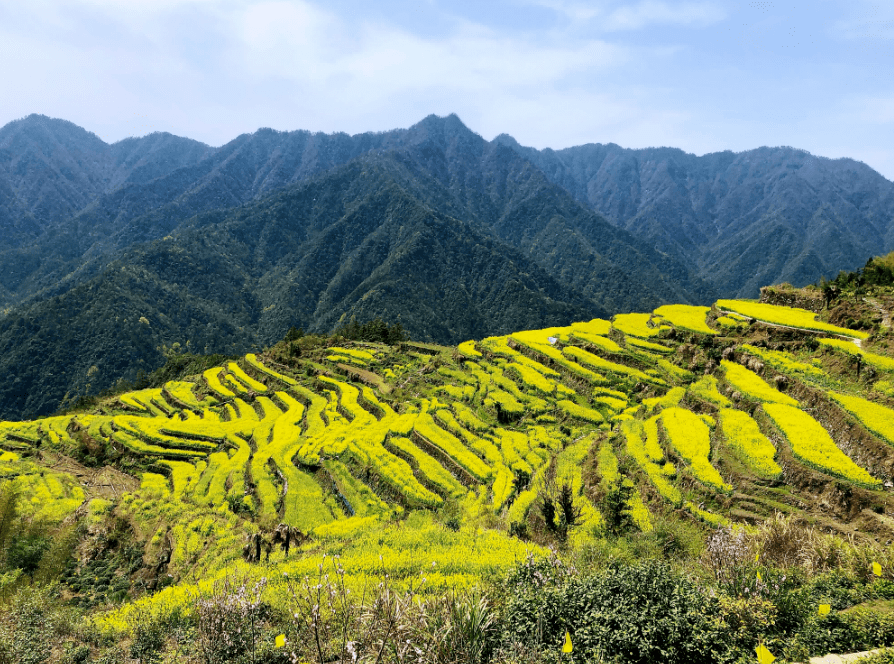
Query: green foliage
{"type": "Point", "coordinates": [374, 331]}
{"type": "Point", "coordinates": [615, 509]}
{"type": "Point", "coordinates": [640, 613]}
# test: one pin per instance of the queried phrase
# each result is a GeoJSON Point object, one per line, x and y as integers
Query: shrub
{"type": "Point", "coordinates": [228, 622]}
{"type": "Point", "coordinates": [640, 613]}
{"type": "Point", "coordinates": [615, 508]}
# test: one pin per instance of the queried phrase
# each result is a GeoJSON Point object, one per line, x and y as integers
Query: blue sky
{"type": "Point", "coordinates": [701, 75]}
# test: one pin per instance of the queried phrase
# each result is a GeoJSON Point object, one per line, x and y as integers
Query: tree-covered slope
{"type": "Point", "coordinates": [352, 243]}
{"type": "Point", "coordinates": [743, 219]}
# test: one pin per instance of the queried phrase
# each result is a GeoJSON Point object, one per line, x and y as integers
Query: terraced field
{"type": "Point", "coordinates": [704, 419]}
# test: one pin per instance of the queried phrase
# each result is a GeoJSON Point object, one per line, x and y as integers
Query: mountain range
{"type": "Point", "coordinates": [109, 252]}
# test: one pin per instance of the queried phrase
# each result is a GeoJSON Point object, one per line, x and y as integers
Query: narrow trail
{"type": "Point", "coordinates": [875, 304]}
{"type": "Point", "coordinates": [855, 340]}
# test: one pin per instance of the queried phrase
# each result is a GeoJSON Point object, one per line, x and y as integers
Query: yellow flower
{"type": "Point", "coordinates": [824, 609]}
{"type": "Point", "coordinates": [876, 569]}
{"type": "Point", "coordinates": [764, 656]}
{"type": "Point", "coordinates": [280, 641]}
{"type": "Point", "coordinates": [566, 647]}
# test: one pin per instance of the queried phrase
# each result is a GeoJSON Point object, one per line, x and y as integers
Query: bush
{"type": "Point", "coordinates": [228, 623]}
{"type": "Point", "coordinates": [638, 613]}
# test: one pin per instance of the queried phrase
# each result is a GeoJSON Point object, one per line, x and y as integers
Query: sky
{"type": "Point", "coordinates": [700, 75]}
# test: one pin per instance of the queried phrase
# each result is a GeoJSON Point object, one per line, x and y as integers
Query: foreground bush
{"type": "Point", "coordinates": [636, 614]}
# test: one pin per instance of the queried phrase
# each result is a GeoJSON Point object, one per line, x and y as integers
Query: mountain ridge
{"type": "Point", "coordinates": [80, 209]}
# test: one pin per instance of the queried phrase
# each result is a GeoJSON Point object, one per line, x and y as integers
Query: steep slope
{"type": "Point", "coordinates": [349, 243]}
{"type": "Point", "coordinates": [760, 216]}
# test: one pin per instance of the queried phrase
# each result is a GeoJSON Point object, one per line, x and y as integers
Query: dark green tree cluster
{"type": "Point", "coordinates": [375, 331]}
{"type": "Point", "coordinates": [878, 271]}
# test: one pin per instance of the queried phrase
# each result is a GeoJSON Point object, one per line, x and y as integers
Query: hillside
{"type": "Point", "coordinates": [645, 436]}
{"type": "Point", "coordinates": [743, 219]}
{"type": "Point", "coordinates": [295, 230]}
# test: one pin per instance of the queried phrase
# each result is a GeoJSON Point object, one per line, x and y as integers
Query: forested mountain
{"type": "Point", "coordinates": [744, 219]}
{"type": "Point", "coordinates": [452, 236]}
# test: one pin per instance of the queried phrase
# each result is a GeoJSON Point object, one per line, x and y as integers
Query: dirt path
{"type": "Point", "coordinates": [105, 482]}
{"type": "Point", "coordinates": [875, 304]}
{"type": "Point", "coordinates": [857, 342]}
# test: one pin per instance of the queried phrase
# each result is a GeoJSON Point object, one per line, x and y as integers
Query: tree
{"type": "Point", "coordinates": [615, 508]}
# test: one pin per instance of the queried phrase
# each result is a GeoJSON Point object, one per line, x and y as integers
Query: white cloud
{"type": "Point", "coordinates": [296, 42]}
{"type": "Point", "coordinates": [872, 109]}
{"type": "Point", "coordinates": [648, 12]}
{"type": "Point", "coordinates": [635, 16]}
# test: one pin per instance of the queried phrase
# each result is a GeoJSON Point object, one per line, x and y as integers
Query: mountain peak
{"type": "Point", "coordinates": [62, 131]}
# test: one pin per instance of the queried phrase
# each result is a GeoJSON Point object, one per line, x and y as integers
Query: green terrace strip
{"type": "Point", "coordinates": [705, 388]}
{"type": "Point", "coordinates": [597, 327]}
{"type": "Point", "coordinates": [812, 444]}
{"type": "Point", "coordinates": [506, 402]}
{"type": "Point", "coordinates": [461, 376]}
{"type": "Point", "coordinates": [614, 404]}
{"type": "Point", "coordinates": [635, 325]}
{"type": "Point", "coordinates": [675, 372]}
{"type": "Point", "coordinates": [786, 363]}
{"type": "Point", "coordinates": [603, 343]}
{"type": "Point", "coordinates": [253, 360]}
{"type": "Point", "coordinates": [432, 471]}
{"type": "Point", "coordinates": [608, 466]}
{"type": "Point", "coordinates": [482, 446]}
{"type": "Point", "coordinates": [580, 412]}
{"type": "Point", "coordinates": [633, 436]}
{"type": "Point", "coordinates": [787, 316]}
{"type": "Point", "coordinates": [686, 317]}
{"type": "Point", "coordinates": [184, 477]}
{"type": "Point", "coordinates": [751, 385]}
{"type": "Point", "coordinates": [878, 361]}
{"type": "Point", "coordinates": [672, 398]}
{"type": "Point", "coordinates": [212, 377]}
{"type": "Point", "coordinates": [730, 323]}
{"type": "Point", "coordinates": [499, 346]}
{"type": "Point", "coordinates": [362, 500]}
{"type": "Point", "coordinates": [516, 451]}
{"type": "Point", "coordinates": [467, 348]}
{"type": "Point", "coordinates": [469, 419]}
{"type": "Point", "coordinates": [346, 358]}
{"type": "Point", "coordinates": [608, 392]}
{"type": "Point", "coordinates": [605, 365]}
{"type": "Point", "coordinates": [708, 517]}
{"type": "Point", "coordinates": [533, 403]}
{"type": "Point", "coordinates": [533, 378]}
{"type": "Point", "coordinates": [502, 487]}
{"type": "Point", "coordinates": [744, 437]}
{"type": "Point", "coordinates": [457, 393]}
{"type": "Point", "coordinates": [647, 345]}
{"type": "Point", "coordinates": [691, 437]}
{"type": "Point", "coordinates": [451, 446]}
{"type": "Point", "coordinates": [875, 417]}
{"type": "Point", "coordinates": [244, 378]}
{"type": "Point", "coordinates": [362, 355]}
{"type": "Point", "coordinates": [538, 341]}
{"type": "Point", "coordinates": [182, 391]}
{"type": "Point", "coordinates": [651, 445]}
{"type": "Point", "coordinates": [568, 470]}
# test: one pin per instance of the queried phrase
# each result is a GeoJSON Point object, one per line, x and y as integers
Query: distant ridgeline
{"type": "Point", "coordinates": [111, 252]}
